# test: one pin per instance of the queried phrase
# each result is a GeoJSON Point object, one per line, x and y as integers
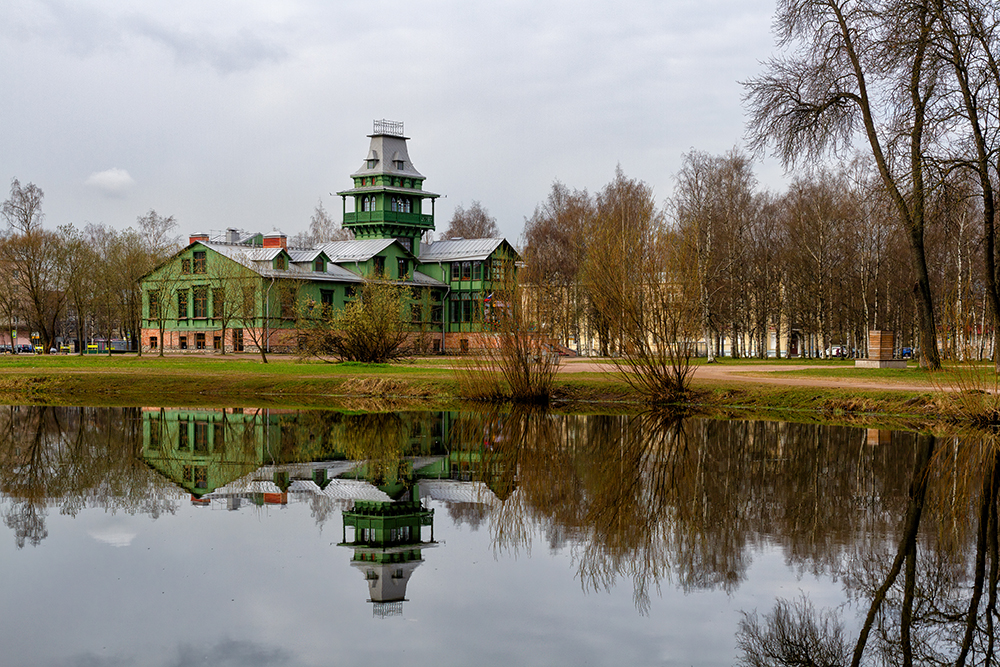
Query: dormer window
{"type": "Point", "coordinates": [370, 163]}
{"type": "Point", "coordinates": [280, 262]}
{"type": "Point", "coordinates": [398, 164]}
{"type": "Point", "coordinates": [318, 265]}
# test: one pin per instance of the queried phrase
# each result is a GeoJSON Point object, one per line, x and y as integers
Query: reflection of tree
{"type": "Point", "coordinates": [928, 596]}
{"type": "Point", "coordinates": [27, 520]}
{"type": "Point", "coordinates": [793, 634]}
{"type": "Point", "coordinates": [377, 439]}
{"type": "Point", "coordinates": [73, 458]}
{"type": "Point", "coordinates": [651, 497]}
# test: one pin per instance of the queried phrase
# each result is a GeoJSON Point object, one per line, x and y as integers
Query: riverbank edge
{"type": "Point", "coordinates": [389, 388]}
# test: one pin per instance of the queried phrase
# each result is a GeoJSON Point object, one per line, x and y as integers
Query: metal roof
{"type": "Point", "coordinates": [369, 189]}
{"type": "Point", "coordinates": [259, 260]}
{"type": "Point", "coordinates": [425, 280]}
{"type": "Point", "coordinates": [245, 255]}
{"type": "Point", "coordinates": [459, 249]}
{"type": "Point", "coordinates": [387, 150]}
{"type": "Point", "coordinates": [358, 250]}
{"type": "Point", "coordinates": [457, 491]}
{"type": "Point", "coordinates": [304, 255]}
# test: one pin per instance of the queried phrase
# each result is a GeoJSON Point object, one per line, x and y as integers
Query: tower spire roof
{"type": "Point", "coordinates": [388, 191]}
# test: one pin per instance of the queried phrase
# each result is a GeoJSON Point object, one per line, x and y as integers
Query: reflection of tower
{"type": "Point", "coordinates": [387, 545]}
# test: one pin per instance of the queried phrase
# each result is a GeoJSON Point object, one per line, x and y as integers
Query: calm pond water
{"type": "Point", "coordinates": [265, 537]}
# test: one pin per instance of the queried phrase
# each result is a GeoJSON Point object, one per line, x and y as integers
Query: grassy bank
{"type": "Point", "coordinates": [225, 381]}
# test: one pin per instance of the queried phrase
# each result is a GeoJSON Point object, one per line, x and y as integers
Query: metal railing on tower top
{"type": "Point", "coordinates": [393, 127]}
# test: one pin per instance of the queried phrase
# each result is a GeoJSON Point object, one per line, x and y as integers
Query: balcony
{"type": "Point", "coordinates": [417, 219]}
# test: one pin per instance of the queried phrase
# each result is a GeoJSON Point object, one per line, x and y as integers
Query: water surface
{"type": "Point", "coordinates": [262, 537]}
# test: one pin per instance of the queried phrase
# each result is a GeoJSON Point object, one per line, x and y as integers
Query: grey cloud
{"type": "Point", "coordinates": [91, 660]}
{"type": "Point", "coordinates": [232, 653]}
{"type": "Point", "coordinates": [85, 30]}
{"type": "Point", "coordinates": [240, 52]}
{"type": "Point", "coordinates": [226, 653]}
{"type": "Point", "coordinates": [76, 27]}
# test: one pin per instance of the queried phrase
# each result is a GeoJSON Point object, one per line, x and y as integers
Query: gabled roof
{"type": "Point", "coordinates": [358, 250]}
{"type": "Point", "coordinates": [459, 249]}
{"type": "Point", "coordinates": [259, 260]}
{"type": "Point", "coordinates": [304, 254]}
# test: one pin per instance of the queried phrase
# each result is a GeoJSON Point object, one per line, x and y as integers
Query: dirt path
{"type": "Point", "coordinates": [759, 374]}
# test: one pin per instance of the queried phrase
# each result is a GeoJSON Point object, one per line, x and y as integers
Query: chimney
{"type": "Point", "coordinates": [232, 235]}
{"type": "Point", "coordinates": [198, 237]}
{"type": "Point", "coordinates": [275, 240]}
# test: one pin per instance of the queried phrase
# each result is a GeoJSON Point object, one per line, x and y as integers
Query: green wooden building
{"type": "Point", "coordinates": [243, 292]}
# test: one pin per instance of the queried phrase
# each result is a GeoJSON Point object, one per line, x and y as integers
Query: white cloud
{"type": "Point", "coordinates": [113, 182]}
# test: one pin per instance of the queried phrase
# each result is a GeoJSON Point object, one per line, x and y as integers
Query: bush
{"type": "Point", "coordinates": [371, 329]}
{"type": "Point", "coordinates": [514, 363]}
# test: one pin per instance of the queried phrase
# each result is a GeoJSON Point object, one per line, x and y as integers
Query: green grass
{"type": "Point", "coordinates": [229, 380]}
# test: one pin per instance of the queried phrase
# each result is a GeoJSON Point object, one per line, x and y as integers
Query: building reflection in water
{"type": "Point", "coordinates": [388, 544]}
{"type": "Point", "coordinates": [907, 522]}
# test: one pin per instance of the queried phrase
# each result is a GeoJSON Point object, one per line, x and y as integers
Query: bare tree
{"type": "Point", "coordinates": [858, 67]}
{"type": "Point", "coordinates": [38, 264]}
{"type": "Point", "coordinates": [322, 229]}
{"type": "Point", "coordinates": [158, 233]}
{"type": "Point", "coordinates": [255, 302]}
{"type": "Point", "coordinates": [82, 261]}
{"type": "Point", "coordinates": [474, 222]}
{"type": "Point", "coordinates": [713, 205]}
{"type": "Point", "coordinates": [970, 45]}
{"type": "Point", "coordinates": [518, 364]}
{"type": "Point", "coordinates": [818, 211]}
{"type": "Point", "coordinates": [23, 209]}
{"type": "Point", "coordinates": [555, 238]}
{"type": "Point", "coordinates": [161, 301]}
{"type": "Point", "coordinates": [632, 275]}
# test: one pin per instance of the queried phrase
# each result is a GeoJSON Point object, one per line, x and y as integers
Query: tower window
{"type": "Point", "coordinates": [398, 164]}
{"type": "Point", "coordinates": [371, 163]}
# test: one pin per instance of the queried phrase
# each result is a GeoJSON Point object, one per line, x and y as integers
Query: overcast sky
{"type": "Point", "coordinates": [246, 113]}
